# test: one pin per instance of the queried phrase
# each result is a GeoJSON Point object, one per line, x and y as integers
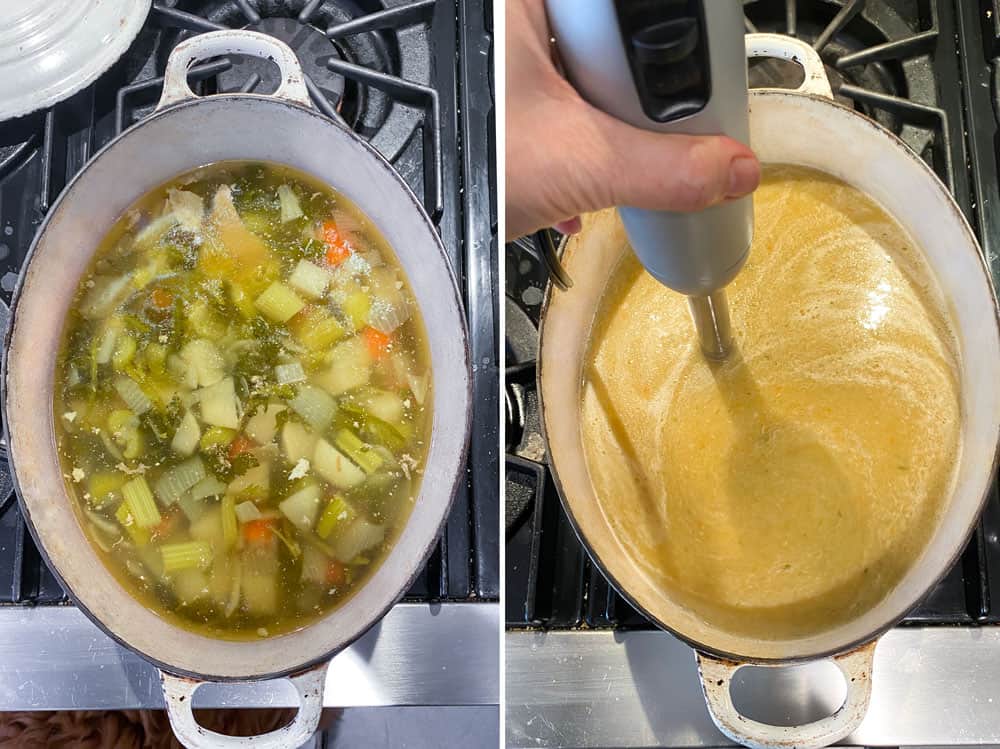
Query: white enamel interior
{"type": "Point", "coordinates": [174, 141]}
{"type": "Point", "coordinates": [813, 132]}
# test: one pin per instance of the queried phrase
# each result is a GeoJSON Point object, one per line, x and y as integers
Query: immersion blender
{"type": "Point", "coordinates": [673, 66]}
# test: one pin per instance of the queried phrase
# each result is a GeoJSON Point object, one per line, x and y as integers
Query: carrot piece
{"type": "Point", "coordinates": [167, 524]}
{"type": "Point", "coordinates": [336, 573]}
{"type": "Point", "coordinates": [240, 444]}
{"type": "Point", "coordinates": [378, 342]}
{"type": "Point", "coordinates": [258, 531]}
{"type": "Point", "coordinates": [161, 298]}
{"type": "Point", "coordinates": [338, 249]}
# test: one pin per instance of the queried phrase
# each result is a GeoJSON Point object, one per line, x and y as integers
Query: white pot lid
{"type": "Point", "coordinates": [50, 49]}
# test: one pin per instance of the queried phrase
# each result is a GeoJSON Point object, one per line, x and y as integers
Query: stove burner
{"type": "Point", "coordinates": [876, 62]}
{"type": "Point", "coordinates": [18, 141]}
{"type": "Point", "coordinates": [310, 45]}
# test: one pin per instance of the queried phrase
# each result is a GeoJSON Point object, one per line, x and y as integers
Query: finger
{"type": "Point", "coordinates": [674, 172]}
{"type": "Point", "coordinates": [569, 226]}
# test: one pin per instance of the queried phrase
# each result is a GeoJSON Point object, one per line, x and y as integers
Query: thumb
{"type": "Point", "coordinates": [671, 172]}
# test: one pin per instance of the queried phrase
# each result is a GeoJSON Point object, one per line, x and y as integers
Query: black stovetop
{"type": "Point", "coordinates": [411, 76]}
{"type": "Point", "coordinates": [926, 69]}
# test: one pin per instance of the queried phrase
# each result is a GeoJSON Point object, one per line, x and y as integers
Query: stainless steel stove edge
{"type": "Point", "coordinates": [54, 658]}
{"type": "Point", "coordinates": [932, 686]}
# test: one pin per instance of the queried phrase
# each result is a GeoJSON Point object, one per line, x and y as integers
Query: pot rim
{"type": "Point", "coordinates": [452, 486]}
{"type": "Point", "coordinates": [945, 568]}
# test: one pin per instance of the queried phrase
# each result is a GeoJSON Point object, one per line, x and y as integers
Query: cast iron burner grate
{"type": "Point", "coordinates": [410, 76]}
{"type": "Point", "coordinates": [894, 61]}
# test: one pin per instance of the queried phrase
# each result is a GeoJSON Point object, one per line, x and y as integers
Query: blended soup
{"type": "Point", "coordinates": [787, 489]}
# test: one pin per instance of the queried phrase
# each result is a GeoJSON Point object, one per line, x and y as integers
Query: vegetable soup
{"type": "Point", "coordinates": [243, 399]}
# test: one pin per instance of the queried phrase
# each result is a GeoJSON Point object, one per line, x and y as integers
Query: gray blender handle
{"type": "Point", "coordinates": [672, 67]}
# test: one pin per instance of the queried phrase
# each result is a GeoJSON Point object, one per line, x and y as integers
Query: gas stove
{"type": "Point", "coordinates": [413, 78]}
{"type": "Point", "coordinates": [927, 71]}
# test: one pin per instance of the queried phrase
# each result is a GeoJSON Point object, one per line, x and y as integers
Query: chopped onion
{"type": "Point", "coordinates": [386, 316]}
{"type": "Point", "coordinates": [418, 386]}
{"type": "Point", "coordinates": [247, 511]}
{"type": "Point", "coordinates": [290, 208]}
{"type": "Point", "coordinates": [356, 265]}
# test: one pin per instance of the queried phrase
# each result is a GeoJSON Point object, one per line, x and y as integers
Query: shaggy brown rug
{"type": "Point", "coordinates": [128, 729]}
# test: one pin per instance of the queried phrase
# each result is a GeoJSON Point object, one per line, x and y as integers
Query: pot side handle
{"type": "Point", "coordinates": [797, 51]}
{"type": "Point", "coordinates": [226, 42]}
{"type": "Point", "coordinates": [716, 681]}
{"type": "Point", "coordinates": [310, 684]}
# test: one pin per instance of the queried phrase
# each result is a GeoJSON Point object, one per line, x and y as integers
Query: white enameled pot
{"type": "Point", "coordinates": [184, 133]}
{"type": "Point", "coordinates": [804, 127]}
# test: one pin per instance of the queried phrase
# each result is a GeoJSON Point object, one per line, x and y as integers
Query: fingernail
{"type": "Point", "coordinates": [744, 175]}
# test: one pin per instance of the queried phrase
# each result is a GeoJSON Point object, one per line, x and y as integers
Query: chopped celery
{"type": "Point", "coordinates": [186, 555]}
{"type": "Point", "coordinates": [155, 355]}
{"type": "Point", "coordinates": [192, 508]}
{"type": "Point", "coordinates": [187, 435]}
{"type": "Point", "coordinates": [207, 487]}
{"type": "Point", "coordinates": [105, 345]}
{"type": "Point", "coordinates": [140, 501]}
{"type": "Point", "coordinates": [125, 348]}
{"type": "Point", "coordinates": [138, 534]}
{"type": "Point", "coordinates": [279, 303]}
{"type": "Point", "coordinates": [317, 329]}
{"type": "Point", "coordinates": [356, 538]}
{"type": "Point", "coordinates": [241, 300]}
{"type": "Point", "coordinates": [177, 480]}
{"type": "Point", "coordinates": [133, 395]}
{"type": "Point", "coordinates": [216, 437]}
{"type": "Point", "coordinates": [301, 507]}
{"type": "Point", "coordinates": [294, 549]}
{"type": "Point", "coordinates": [384, 433]}
{"type": "Point", "coordinates": [230, 526]}
{"type": "Point", "coordinates": [336, 515]}
{"type": "Point", "coordinates": [315, 406]}
{"type": "Point", "coordinates": [205, 322]}
{"type": "Point", "coordinates": [104, 486]}
{"type": "Point", "coordinates": [124, 428]}
{"type": "Point", "coordinates": [204, 358]}
{"type": "Point", "coordinates": [356, 306]}
{"type": "Point", "coordinates": [290, 208]}
{"type": "Point", "coordinates": [358, 451]}
{"type": "Point", "coordinates": [263, 424]}
{"type": "Point", "coordinates": [219, 406]}
{"type": "Point", "coordinates": [288, 373]}
{"type": "Point", "coordinates": [297, 442]}
{"type": "Point", "coordinates": [247, 511]}
{"type": "Point", "coordinates": [336, 467]}
{"type": "Point", "coordinates": [309, 279]}
{"type": "Point", "coordinates": [350, 367]}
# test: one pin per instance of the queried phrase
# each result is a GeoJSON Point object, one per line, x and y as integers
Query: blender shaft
{"type": "Point", "coordinates": [711, 321]}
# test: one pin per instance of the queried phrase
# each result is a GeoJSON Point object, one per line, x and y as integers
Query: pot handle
{"type": "Point", "coordinates": [716, 680]}
{"type": "Point", "coordinates": [310, 684]}
{"type": "Point", "coordinates": [226, 42]}
{"type": "Point", "coordinates": [796, 50]}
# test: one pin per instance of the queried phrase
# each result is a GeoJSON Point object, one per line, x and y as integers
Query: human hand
{"type": "Point", "coordinates": [565, 157]}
